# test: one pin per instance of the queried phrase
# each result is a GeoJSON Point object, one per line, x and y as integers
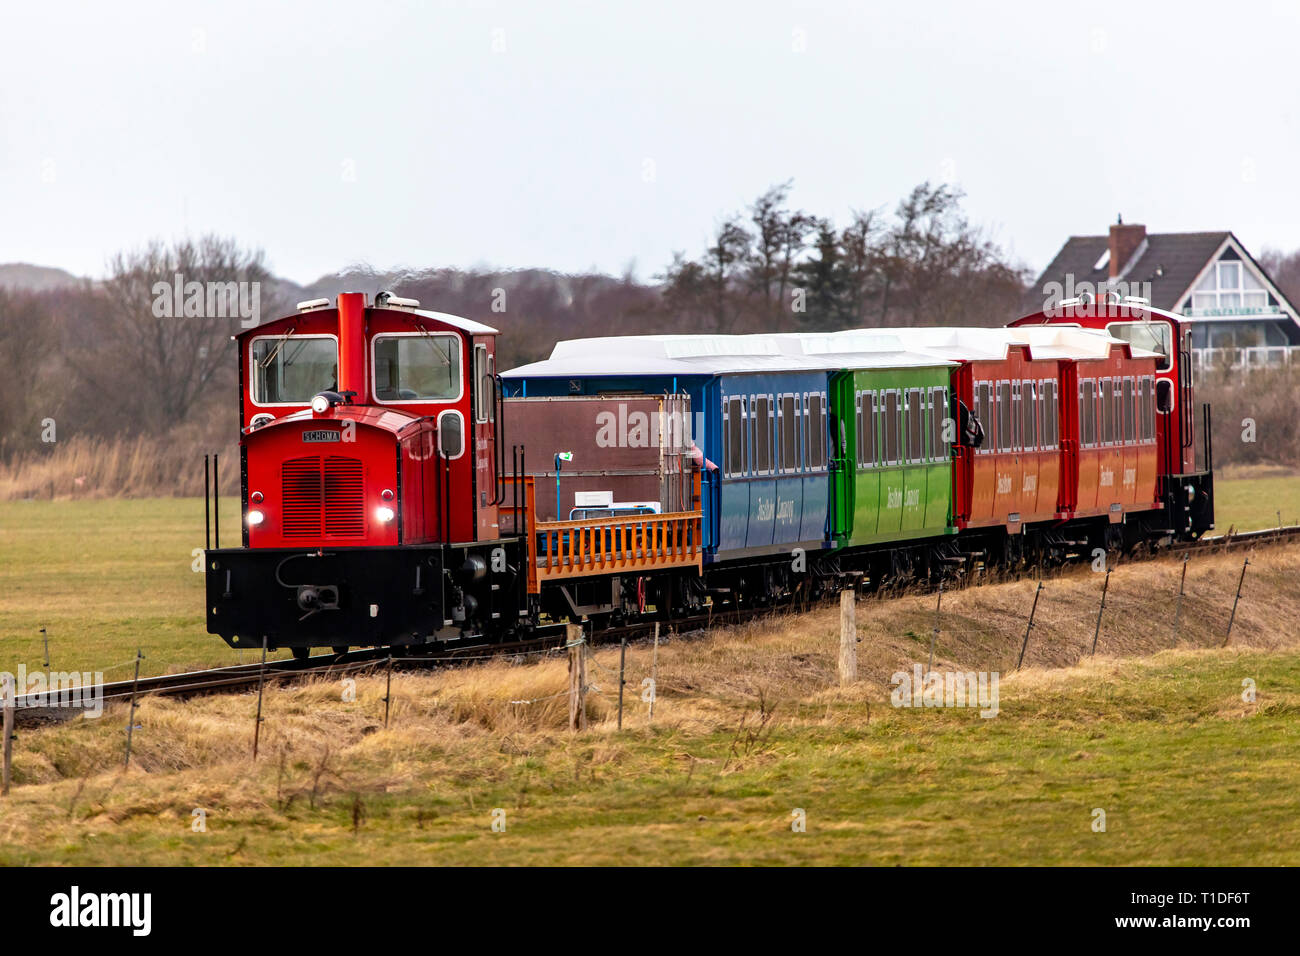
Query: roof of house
{"type": "Point", "coordinates": [1169, 261]}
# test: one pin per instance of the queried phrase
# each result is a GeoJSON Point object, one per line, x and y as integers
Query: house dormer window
{"type": "Point", "coordinates": [1229, 288]}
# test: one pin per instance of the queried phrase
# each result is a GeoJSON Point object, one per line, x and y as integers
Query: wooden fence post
{"type": "Point", "coordinates": [848, 637]}
{"type": "Point", "coordinates": [577, 678]}
{"type": "Point", "coordinates": [8, 690]}
{"type": "Point", "coordinates": [654, 676]}
{"type": "Point", "coordinates": [1182, 588]}
{"type": "Point", "coordinates": [1235, 601]}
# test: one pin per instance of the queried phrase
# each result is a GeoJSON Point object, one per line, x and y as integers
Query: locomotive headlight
{"type": "Point", "coordinates": [384, 513]}
{"type": "Point", "coordinates": [1191, 493]}
{"type": "Point", "coordinates": [254, 518]}
{"type": "Point", "coordinates": [320, 404]}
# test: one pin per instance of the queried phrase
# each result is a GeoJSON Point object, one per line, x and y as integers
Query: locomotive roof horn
{"type": "Point", "coordinates": [386, 299]}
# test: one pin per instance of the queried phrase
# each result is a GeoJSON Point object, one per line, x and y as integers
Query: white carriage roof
{"type": "Point", "coordinates": [794, 351]}
{"type": "Point", "coordinates": [707, 355]}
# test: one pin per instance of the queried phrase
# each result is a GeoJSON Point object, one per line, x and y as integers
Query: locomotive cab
{"type": "Point", "coordinates": [369, 482]}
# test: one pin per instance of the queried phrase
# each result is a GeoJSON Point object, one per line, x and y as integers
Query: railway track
{"type": "Point", "coordinates": [36, 709]}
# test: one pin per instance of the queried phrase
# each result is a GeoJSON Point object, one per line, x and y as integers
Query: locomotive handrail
{"type": "Point", "coordinates": [630, 544]}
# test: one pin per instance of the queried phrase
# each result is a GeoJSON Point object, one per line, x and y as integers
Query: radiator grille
{"type": "Point", "coordinates": [323, 497]}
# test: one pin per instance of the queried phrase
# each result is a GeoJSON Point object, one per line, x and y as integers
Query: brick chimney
{"type": "Point", "coordinates": [1123, 241]}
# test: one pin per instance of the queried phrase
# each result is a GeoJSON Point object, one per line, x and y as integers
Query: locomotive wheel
{"type": "Point", "coordinates": [301, 653]}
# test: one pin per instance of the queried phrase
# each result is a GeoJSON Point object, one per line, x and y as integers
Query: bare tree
{"type": "Point", "coordinates": [156, 364]}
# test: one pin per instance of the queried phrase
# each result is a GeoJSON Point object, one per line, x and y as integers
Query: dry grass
{"type": "Point", "coordinates": [743, 714]}
{"type": "Point", "coordinates": [141, 467]}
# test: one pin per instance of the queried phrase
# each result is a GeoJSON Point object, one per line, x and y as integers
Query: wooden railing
{"type": "Point", "coordinates": [637, 544]}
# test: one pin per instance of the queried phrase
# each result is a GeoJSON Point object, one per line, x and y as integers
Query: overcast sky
{"type": "Point", "coordinates": [590, 136]}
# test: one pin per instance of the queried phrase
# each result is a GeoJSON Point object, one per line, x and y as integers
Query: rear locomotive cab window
{"type": "Point", "coordinates": [290, 369]}
{"type": "Point", "coordinates": [451, 434]}
{"type": "Point", "coordinates": [417, 367]}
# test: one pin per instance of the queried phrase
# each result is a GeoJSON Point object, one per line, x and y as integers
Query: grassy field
{"type": "Point", "coordinates": [750, 726]}
{"type": "Point", "coordinates": [1252, 499]}
{"type": "Point", "coordinates": [103, 576]}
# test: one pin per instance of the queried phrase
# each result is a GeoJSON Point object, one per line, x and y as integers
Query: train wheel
{"type": "Point", "coordinates": [301, 653]}
{"type": "Point", "coordinates": [339, 648]}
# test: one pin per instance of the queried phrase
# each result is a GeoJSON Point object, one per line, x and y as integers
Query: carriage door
{"type": "Point", "coordinates": [485, 450]}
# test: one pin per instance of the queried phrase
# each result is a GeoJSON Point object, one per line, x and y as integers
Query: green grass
{"type": "Point", "coordinates": [103, 577]}
{"type": "Point", "coordinates": [1186, 773]}
{"type": "Point", "coordinates": [1252, 504]}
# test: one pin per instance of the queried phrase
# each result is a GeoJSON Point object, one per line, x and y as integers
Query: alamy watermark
{"type": "Point", "coordinates": [1070, 298]}
{"type": "Point", "coordinates": [208, 300]}
{"type": "Point", "coordinates": [62, 689]}
{"type": "Point", "coordinates": [946, 689]}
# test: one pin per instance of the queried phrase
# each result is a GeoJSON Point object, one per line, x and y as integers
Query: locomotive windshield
{"type": "Point", "coordinates": [290, 369]}
{"type": "Point", "coordinates": [417, 367]}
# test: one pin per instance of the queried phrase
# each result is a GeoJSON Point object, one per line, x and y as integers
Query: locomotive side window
{"type": "Point", "coordinates": [417, 367]}
{"type": "Point", "coordinates": [290, 369]}
{"type": "Point", "coordinates": [486, 385]}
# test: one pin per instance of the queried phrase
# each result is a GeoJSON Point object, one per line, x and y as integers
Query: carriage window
{"type": "Point", "coordinates": [290, 369]}
{"type": "Point", "coordinates": [1088, 412]}
{"type": "Point", "coordinates": [873, 427]}
{"type": "Point", "coordinates": [984, 412]}
{"type": "Point", "coordinates": [1004, 416]}
{"type": "Point", "coordinates": [938, 416]}
{"type": "Point", "coordinates": [912, 414]}
{"type": "Point", "coordinates": [816, 431]}
{"type": "Point", "coordinates": [1048, 425]}
{"type": "Point", "coordinates": [735, 438]}
{"type": "Point", "coordinates": [417, 368]}
{"type": "Point", "coordinates": [789, 461]}
{"type": "Point", "coordinates": [1107, 413]}
{"type": "Point", "coordinates": [1129, 430]}
{"type": "Point", "coordinates": [891, 428]}
{"type": "Point", "coordinates": [1028, 415]}
{"type": "Point", "coordinates": [762, 406]}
